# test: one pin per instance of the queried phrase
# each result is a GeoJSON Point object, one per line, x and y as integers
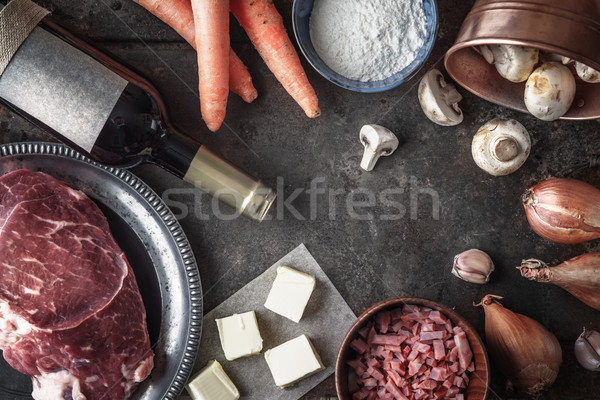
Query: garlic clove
{"type": "Point", "coordinates": [473, 266]}
{"type": "Point", "coordinates": [587, 350]}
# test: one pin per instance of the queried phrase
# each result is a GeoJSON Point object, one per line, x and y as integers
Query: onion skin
{"type": "Point", "coordinates": [580, 276]}
{"type": "Point", "coordinates": [525, 352]}
{"type": "Point", "coordinates": [563, 210]}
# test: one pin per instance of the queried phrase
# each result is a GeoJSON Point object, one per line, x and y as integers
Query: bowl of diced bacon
{"type": "Point", "coordinates": [411, 348]}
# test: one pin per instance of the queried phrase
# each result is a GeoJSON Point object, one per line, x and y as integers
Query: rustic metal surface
{"type": "Point", "coordinates": [442, 204]}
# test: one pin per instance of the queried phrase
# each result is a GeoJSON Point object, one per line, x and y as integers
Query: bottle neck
{"type": "Point", "coordinates": [204, 169]}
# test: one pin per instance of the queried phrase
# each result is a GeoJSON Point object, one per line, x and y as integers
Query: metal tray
{"type": "Point", "coordinates": [156, 248]}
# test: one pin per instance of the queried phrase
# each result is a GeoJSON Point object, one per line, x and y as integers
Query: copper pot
{"type": "Point", "coordinates": [567, 27]}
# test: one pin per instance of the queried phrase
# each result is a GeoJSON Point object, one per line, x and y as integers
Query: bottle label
{"type": "Point", "coordinates": [62, 87]}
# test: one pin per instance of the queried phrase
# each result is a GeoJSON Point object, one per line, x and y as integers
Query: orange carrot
{"type": "Point", "coordinates": [264, 26]}
{"type": "Point", "coordinates": [211, 23]}
{"type": "Point", "coordinates": [179, 16]}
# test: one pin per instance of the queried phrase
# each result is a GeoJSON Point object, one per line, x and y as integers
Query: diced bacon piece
{"type": "Point", "coordinates": [431, 362]}
{"type": "Point", "coordinates": [438, 374]}
{"type": "Point", "coordinates": [369, 382]}
{"type": "Point", "coordinates": [372, 395]}
{"type": "Point", "coordinates": [471, 367]}
{"type": "Point", "coordinates": [465, 356]}
{"type": "Point", "coordinates": [413, 354]}
{"type": "Point", "coordinates": [432, 335]}
{"type": "Point", "coordinates": [420, 394]}
{"type": "Point", "coordinates": [375, 373]}
{"type": "Point", "coordinates": [400, 356]}
{"type": "Point", "coordinates": [466, 379]}
{"type": "Point", "coordinates": [459, 382]}
{"type": "Point", "coordinates": [395, 376]}
{"type": "Point", "coordinates": [396, 314]}
{"type": "Point", "coordinates": [359, 345]}
{"type": "Point", "coordinates": [454, 367]}
{"type": "Point", "coordinates": [453, 391]}
{"type": "Point", "coordinates": [422, 347]}
{"type": "Point", "coordinates": [460, 396]}
{"type": "Point", "coordinates": [457, 330]}
{"type": "Point", "coordinates": [416, 316]}
{"type": "Point", "coordinates": [439, 352]}
{"type": "Point", "coordinates": [416, 329]}
{"type": "Point", "coordinates": [388, 355]}
{"type": "Point", "coordinates": [453, 355]}
{"type": "Point", "coordinates": [373, 362]}
{"type": "Point", "coordinates": [393, 348]}
{"type": "Point", "coordinates": [437, 317]}
{"type": "Point", "coordinates": [449, 344]}
{"type": "Point", "coordinates": [413, 368]}
{"type": "Point", "coordinates": [382, 321]}
{"type": "Point", "coordinates": [449, 382]}
{"type": "Point", "coordinates": [362, 394]}
{"type": "Point", "coordinates": [371, 334]}
{"type": "Point", "coordinates": [427, 327]}
{"type": "Point", "coordinates": [364, 331]}
{"type": "Point", "coordinates": [428, 384]}
{"type": "Point", "coordinates": [396, 326]}
{"type": "Point", "coordinates": [356, 364]}
{"type": "Point", "coordinates": [440, 393]}
{"type": "Point", "coordinates": [393, 389]}
{"type": "Point", "coordinates": [410, 308]}
{"type": "Point", "coordinates": [390, 339]}
{"type": "Point", "coordinates": [398, 367]}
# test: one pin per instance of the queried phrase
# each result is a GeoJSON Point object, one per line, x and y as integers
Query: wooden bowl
{"type": "Point", "coordinates": [478, 385]}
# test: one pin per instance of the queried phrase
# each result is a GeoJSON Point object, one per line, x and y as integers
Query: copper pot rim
{"type": "Point", "coordinates": [543, 46]}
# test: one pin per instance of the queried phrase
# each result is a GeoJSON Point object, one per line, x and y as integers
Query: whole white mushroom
{"type": "Point", "coordinates": [587, 74]}
{"type": "Point", "coordinates": [514, 63]}
{"type": "Point", "coordinates": [501, 146]}
{"type": "Point", "coordinates": [549, 91]}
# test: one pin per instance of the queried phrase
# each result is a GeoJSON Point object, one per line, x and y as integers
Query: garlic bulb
{"type": "Point", "coordinates": [525, 352]}
{"type": "Point", "coordinates": [473, 266]}
{"type": "Point", "coordinates": [587, 350]}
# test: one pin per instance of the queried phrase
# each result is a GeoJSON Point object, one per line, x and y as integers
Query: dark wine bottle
{"type": "Point", "coordinates": [105, 110]}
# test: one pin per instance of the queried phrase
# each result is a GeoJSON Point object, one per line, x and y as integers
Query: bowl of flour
{"type": "Point", "coordinates": [365, 45]}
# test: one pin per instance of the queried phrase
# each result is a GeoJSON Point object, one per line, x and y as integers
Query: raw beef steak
{"type": "Point", "coordinates": [71, 315]}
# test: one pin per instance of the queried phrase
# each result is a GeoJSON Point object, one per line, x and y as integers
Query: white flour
{"type": "Point", "coordinates": [367, 40]}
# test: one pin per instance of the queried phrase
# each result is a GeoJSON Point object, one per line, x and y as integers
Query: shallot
{"type": "Point", "coordinates": [525, 352]}
{"type": "Point", "coordinates": [563, 210]}
{"type": "Point", "coordinates": [580, 276]}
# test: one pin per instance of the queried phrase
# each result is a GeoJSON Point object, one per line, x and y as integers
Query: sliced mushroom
{"type": "Point", "coordinates": [587, 74]}
{"type": "Point", "coordinates": [549, 91]}
{"type": "Point", "coordinates": [439, 100]}
{"type": "Point", "coordinates": [378, 141]}
{"type": "Point", "coordinates": [501, 146]}
{"type": "Point", "coordinates": [514, 63]}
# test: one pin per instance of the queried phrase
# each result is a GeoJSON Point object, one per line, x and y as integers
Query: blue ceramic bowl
{"type": "Point", "coordinates": [301, 11]}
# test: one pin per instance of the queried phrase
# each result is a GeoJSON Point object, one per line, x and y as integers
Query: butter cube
{"type": "Point", "coordinates": [293, 360]}
{"type": "Point", "coordinates": [212, 383]}
{"type": "Point", "coordinates": [290, 293]}
{"type": "Point", "coordinates": [239, 335]}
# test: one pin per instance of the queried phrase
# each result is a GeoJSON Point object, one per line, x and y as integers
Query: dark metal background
{"type": "Point", "coordinates": [367, 260]}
